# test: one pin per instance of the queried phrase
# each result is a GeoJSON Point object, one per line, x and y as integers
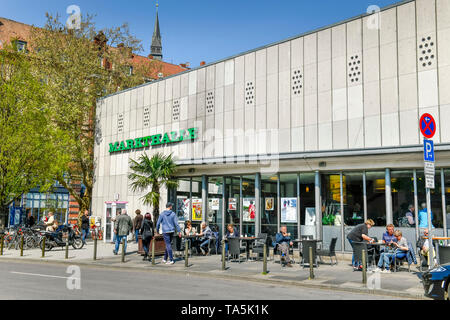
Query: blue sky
{"type": "Point", "coordinates": [201, 30]}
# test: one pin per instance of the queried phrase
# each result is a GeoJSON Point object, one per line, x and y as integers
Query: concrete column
{"type": "Point", "coordinates": [258, 203]}
{"type": "Point", "coordinates": [444, 205]}
{"type": "Point", "coordinates": [342, 211]}
{"type": "Point", "coordinates": [388, 192]}
{"type": "Point", "coordinates": [224, 206]}
{"type": "Point", "coordinates": [299, 228]}
{"type": "Point", "coordinates": [241, 204]}
{"type": "Point", "coordinates": [365, 196]}
{"type": "Point", "coordinates": [204, 197]}
{"type": "Point", "coordinates": [278, 202]}
{"type": "Point", "coordinates": [190, 199]}
{"type": "Point", "coordinates": [416, 204]}
{"type": "Point", "coordinates": [318, 208]}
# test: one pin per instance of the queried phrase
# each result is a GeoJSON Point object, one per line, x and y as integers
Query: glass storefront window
{"type": "Point", "coordinates": [331, 208]}
{"type": "Point", "coordinates": [307, 199]}
{"type": "Point", "coordinates": [183, 200]}
{"type": "Point", "coordinates": [289, 205]}
{"type": "Point", "coordinates": [215, 202]}
{"type": "Point", "coordinates": [248, 205]}
{"type": "Point", "coordinates": [436, 200]}
{"type": "Point", "coordinates": [376, 197]}
{"type": "Point", "coordinates": [197, 204]}
{"type": "Point", "coordinates": [269, 204]}
{"type": "Point", "coordinates": [402, 185]}
{"type": "Point", "coordinates": [353, 190]}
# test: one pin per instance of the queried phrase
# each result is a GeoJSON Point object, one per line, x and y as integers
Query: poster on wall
{"type": "Point", "coordinates": [214, 204]}
{"type": "Point", "coordinates": [270, 204]}
{"type": "Point", "coordinates": [196, 209]}
{"type": "Point", "coordinates": [249, 210]}
{"type": "Point", "coordinates": [232, 204]}
{"type": "Point", "coordinates": [310, 216]}
{"type": "Point", "coordinates": [289, 210]}
{"type": "Point", "coordinates": [183, 208]}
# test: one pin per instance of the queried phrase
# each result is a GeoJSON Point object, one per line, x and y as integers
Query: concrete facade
{"type": "Point", "coordinates": [350, 95]}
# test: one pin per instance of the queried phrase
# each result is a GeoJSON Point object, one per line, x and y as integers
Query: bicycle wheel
{"type": "Point", "coordinates": [48, 246]}
{"type": "Point", "coordinates": [30, 243]}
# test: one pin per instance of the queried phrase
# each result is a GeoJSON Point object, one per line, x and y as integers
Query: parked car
{"type": "Point", "coordinates": [436, 282]}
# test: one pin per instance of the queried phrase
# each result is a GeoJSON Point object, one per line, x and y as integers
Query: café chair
{"type": "Point", "coordinates": [330, 252]}
{"type": "Point", "coordinates": [306, 244]}
{"type": "Point", "coordinates": [258, 246]}
{"type": "Point", "coordinates": [234, 249]}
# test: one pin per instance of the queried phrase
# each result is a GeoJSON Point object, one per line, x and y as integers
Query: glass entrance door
{"type": "Point", "coordinates": [112, 210]}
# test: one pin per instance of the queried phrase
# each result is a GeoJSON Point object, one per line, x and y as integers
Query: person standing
{"type": "Point", "coordinates": [423, 217]}
{"type": "Point", "coordinates": [147, 233]}
{"type": "Point", "coordinates": [85, 226]}
{"type": "Point", "coordinates": [137, 224]}
{"type": "Point", "coordinates": [124, 226]}
{"type": "Point", "coordinates": [30, 219]}
{"type": "Point", "coordinates": [169, 222]}
{"type": "Point", "coordinates": [358, 234]}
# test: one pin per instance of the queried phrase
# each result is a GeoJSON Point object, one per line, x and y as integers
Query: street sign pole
{"type": "Point", "coordinates": [428, 129]}
{"type": "Point", "coordinates": [430, 233]}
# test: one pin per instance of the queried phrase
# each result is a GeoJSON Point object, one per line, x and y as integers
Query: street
{"type": "Point", "coordinates": [50, 281]}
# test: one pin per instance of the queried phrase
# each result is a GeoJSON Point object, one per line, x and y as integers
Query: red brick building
{"type": "Point", "coordinates": [20, 33]}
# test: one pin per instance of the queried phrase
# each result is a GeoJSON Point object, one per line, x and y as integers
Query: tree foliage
{"type": "Point", "coordinates": [153, 173]}
{"type": "Point", "coordinates": [28, 158]}
{"type": "Point", "coordinates": [80, 66]}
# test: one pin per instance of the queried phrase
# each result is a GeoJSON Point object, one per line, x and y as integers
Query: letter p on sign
{"type": "Point", "coordinates": [428, 150]}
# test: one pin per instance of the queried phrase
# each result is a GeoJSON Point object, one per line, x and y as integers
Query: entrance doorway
{"type": "Point", "coordinates": [112, 209]}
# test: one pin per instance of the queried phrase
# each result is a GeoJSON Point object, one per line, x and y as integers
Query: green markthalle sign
{"type": "Point", "coordinates": [154, 140]}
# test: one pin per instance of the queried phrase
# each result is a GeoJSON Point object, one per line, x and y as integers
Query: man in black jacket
{"type": "Point", "coordinates": [85, 225]}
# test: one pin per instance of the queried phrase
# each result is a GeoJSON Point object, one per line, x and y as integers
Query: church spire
{"type": "Point", "coordinates": [156, 47]}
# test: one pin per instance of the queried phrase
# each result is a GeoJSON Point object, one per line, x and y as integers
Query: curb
{"type": "Point", "coordinates": [222, 275]}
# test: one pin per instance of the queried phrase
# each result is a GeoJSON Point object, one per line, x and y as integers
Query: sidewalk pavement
{"type": "Point", "coordinates": [340, 277]}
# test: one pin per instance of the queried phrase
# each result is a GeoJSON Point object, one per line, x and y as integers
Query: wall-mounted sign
{"type": "Point", "coordinates": [154, 140]}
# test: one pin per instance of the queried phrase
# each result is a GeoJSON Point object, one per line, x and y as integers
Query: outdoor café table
{"type": "Point", "coordinates": [190, 239]}
{"type": "Point", "coordinates": [434, 239]}
{"type": "Point", "coordinates": [247, 244]}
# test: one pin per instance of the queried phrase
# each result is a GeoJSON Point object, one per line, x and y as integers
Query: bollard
{"type": "Point", "coordinates": [223, 255]}
{"type": "Point", "coordinates": [67, 247]}
{"type": "Point", "coordinates": [311, 264]}
{"type": "Point", "coordinates": [95, 246]}
{"type": "Point", "coordinates": [21, 245]}
{"type": "Point", "coordinates": [153, 251]}
{"type": "Point", "coordinates": [186, 253]}
{"type": "Point", "coordinates": [123, 250]}
{"type": "Point", "coordinates": [1, 245]}
{"type": "Point", "coordinates": [364, 267]}
{"type": "Point", "coordinates": [43, 247]}
{"type": "Point", "coordinates": [265, 259]}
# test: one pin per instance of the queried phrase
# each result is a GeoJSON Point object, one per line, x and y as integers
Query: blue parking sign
{"type": "Point", "coordinates": [428, 150]}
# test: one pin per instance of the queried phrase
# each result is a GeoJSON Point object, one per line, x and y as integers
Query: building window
{"type": "Point", "coordinates": [288, 202]}
{"type": "Point", "coordinates": [436, 200]}
{"type": "Point", "coordinates": [376, 197]}
{"type": "Point", "coordinates": [21, 46]}
{"type": "Point", "coordinates": [215, 202]}
{"type": "Point", "coordinates": [402, 185]}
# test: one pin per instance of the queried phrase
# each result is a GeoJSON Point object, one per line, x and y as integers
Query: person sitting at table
{"type": "Point", "coordinates": [424, 245]}
{"type": "Point", "coordinates": [358, 234]}
{"type": "Point", "coordinates": [282, 243]}
{"type": "Point", "coordinates": [388, 236]}
{"type": "Point", "coordinates": [232, 232]}
{"type": "Point", "coordinates": [189, 230]}
{"type": "Point", "coordinates": [205, 237]}
{"type": "Point", "coordinates": [400, 249]}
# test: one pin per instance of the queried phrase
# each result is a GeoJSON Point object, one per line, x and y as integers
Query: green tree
{"type": "Point", "coordinates": [154, 173]}
{"type": "Point", "coordinates": [27, 154]}
{"type": "Point", "coordinates": [80, 66]}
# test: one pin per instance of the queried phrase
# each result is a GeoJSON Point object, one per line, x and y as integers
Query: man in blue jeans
{"type": "Point", "coordinates": [358, 234]}
{"type": "Point", "coordinates": [169, 222]}
{"type": "Point", "coordinates": [123, 227]}
{"type": "Point", "coordinates": [399, 252]}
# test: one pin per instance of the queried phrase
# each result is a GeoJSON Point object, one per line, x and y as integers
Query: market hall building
{"type": "Point", "coordinates": [318, 132]}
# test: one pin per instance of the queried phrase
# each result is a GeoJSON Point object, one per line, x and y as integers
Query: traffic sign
{"type": "Point", "coordinates": [429, 168]}
{"type": "Point", "coordinates": [427, 125]}
{"type": "Point", "coordinates": [429, 181]}
{"type": "Point", "coordinates": [428, 150]}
